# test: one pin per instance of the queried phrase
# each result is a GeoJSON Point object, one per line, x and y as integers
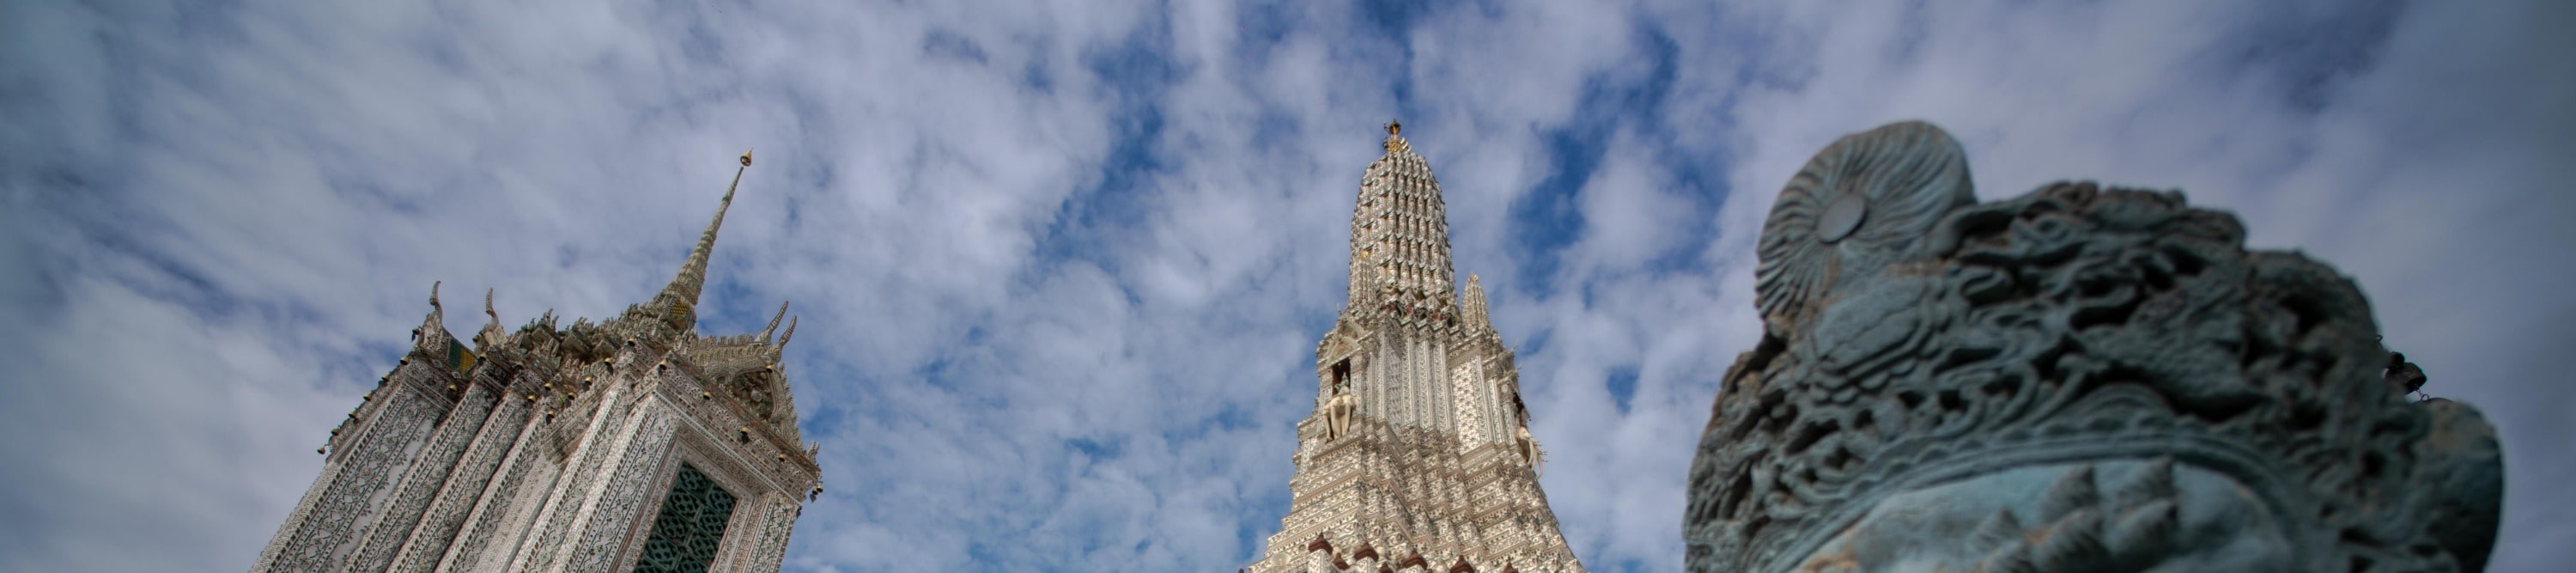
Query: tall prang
{"type": "Point", "coordinates": [1418, 457]}
{"type": "Point", "coordinates": [632, 444]}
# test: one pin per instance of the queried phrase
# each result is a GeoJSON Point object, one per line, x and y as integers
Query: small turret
{"type": "Point", "coordinates": [1471, 312]}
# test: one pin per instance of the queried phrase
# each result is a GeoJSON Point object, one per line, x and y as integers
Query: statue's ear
{"type": "Point", "coordinates": [1864, 202]}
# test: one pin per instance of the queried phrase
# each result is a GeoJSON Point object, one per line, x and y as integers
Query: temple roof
{"type": "Point", "coordinates": [678, 302]}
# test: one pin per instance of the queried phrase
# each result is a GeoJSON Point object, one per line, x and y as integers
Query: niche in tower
{"type": "Point", "coordinates": [1341, 376]}
{"type": "Point", "coordinates": [690, 527]}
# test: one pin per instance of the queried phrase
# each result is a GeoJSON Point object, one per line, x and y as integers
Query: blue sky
{"type": "Point", "coordinates": [1061, 267]}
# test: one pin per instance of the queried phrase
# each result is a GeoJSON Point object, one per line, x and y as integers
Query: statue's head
{"type": "Point", "coordinates": [2078, 379]}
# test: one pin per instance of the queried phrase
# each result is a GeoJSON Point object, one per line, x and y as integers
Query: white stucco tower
{"type": "Point", "coordinates": [1418, 456]}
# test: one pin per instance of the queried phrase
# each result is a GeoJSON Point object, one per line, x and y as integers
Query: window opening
{"type": "Point", "coordinates": [690, 527]}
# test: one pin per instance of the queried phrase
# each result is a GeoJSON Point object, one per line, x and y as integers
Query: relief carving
{"type": "Point", "coordinates": [1929, 362]}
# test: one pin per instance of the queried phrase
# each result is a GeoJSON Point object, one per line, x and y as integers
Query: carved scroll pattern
{"type": "Point", "coordinates": [625, 495]}
{"type": "Point", "coordinates": [1463, 391]}
{"type": "Point", "coordinates": [458, 497]}
{"type": "Point", "coordinates": [516, 505]}
{"type": "Point", "coordinates": [422, 483]}
{"type": "Point", "coordinates": [1940, 339]}
{"type": "Point", "coordinates": [331, 524]}
{"type": "Point", "coordinates": [774, 530]}
{"type": "Point", "coordinates": [575, 483]}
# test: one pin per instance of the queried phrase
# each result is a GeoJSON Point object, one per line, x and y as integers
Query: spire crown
{"type": "Point", "coordinates": [1400, 234]}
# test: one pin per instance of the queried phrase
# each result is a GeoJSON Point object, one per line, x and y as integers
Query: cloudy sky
{"type": "Point", "coordinates": [1061, 267]}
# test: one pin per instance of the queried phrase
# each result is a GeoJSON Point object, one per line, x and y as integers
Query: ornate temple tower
{"type": "Point", "coordinates": [1418, 457]}
{"type": "Point", "coordinates": [633, 444]}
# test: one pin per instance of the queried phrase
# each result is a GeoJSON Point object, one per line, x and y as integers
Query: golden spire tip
{"type": "Point", "coordinates": [746, 158]}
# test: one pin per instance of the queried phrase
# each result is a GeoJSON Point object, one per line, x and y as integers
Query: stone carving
{"type": "Point", "coordinates": [1527, 446]}
{"type": "Point", "coordinates": [2402, 374]}
{"type": "Point", "coordinates": [431, 540]}
{"type": "Point", "coordinates": [621, 502]}
{"type": "Point", "coordinates": [1337, 414]}
{"type": "Point", "coordinates": [1929, 362]}
{"type": "Point", "coordinates": [774, 530]}
{"type": "Point", "coordinates": [429, 471]}
{"type": "Point", "coordinates": [335, 519]}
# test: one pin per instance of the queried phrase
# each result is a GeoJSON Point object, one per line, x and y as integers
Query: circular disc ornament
{"type": "Point", "coordinates": [1841, 217]}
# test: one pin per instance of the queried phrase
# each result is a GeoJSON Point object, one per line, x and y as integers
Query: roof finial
{"type": "Point", "coordinates": [679, 301]}
{"type": "Point", "coordinates": [1394, 127]}
{"type": "Point", "coordinates": [790, 334]}
{"type": "Point", "coordinates": [491, 333]}
{"type": "Point", "coordinates": [773, 322]}
{"type": "Point", "coordinates": [433, 325]}
{"type": "Point", "coordinates": [1395, 137]}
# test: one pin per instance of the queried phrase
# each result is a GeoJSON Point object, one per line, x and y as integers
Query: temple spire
{"type": "Point", "coordinates": [679, 301]}
{"type": "Point", "coordinates": [1473, 307]}
{"type": "Point", "coordinates": [1400, 233]}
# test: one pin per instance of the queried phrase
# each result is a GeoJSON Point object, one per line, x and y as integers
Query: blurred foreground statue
{"type": "Point", "coordinates": [2078, 379]}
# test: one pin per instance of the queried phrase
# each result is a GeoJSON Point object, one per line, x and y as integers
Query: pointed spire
{"type": "Point", "coordinates": [1474, 305]}
{"type": "Point", "coordinates": [437, 314]}
{"type": "Point", "coordinates": [773, 322]}
{"type": "Point", "coordinates": [679, 301]}
{"type": "Point", "coordinates": [791, 332]}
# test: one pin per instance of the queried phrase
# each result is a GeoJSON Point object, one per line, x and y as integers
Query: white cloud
{"type": "Point", "coordinates": [1025, 350]}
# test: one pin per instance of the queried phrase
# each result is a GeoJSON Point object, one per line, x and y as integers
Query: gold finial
{"type": "Point", "coordinates": [1394, 127]}
{"type": "Point", "coordinates": [746, 158]}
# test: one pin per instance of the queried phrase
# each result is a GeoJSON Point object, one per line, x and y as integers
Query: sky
{"type": "Point", "coordinates": [1060, 267]}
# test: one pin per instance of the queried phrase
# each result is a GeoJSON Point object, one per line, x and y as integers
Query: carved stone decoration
{"type": "Point", "coordinates": [1527, 446]}
{"type": "Point", "coordinates": [1862, 201]}
{"type": "Point", "coordinates": [539, 449]}
{"type": "Point", "coordinates": [431, 542]}
{"type": "Point", "coordinates": [1929, 363]}
{"type": "Point", "coordinates": [411, 497]}
{"type": "Point", "coordinates": [319, 534]}
{"type": "Point", "coordinates": [1337, 415]}
{"type": "Point", "coordinates": [621, 501]}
